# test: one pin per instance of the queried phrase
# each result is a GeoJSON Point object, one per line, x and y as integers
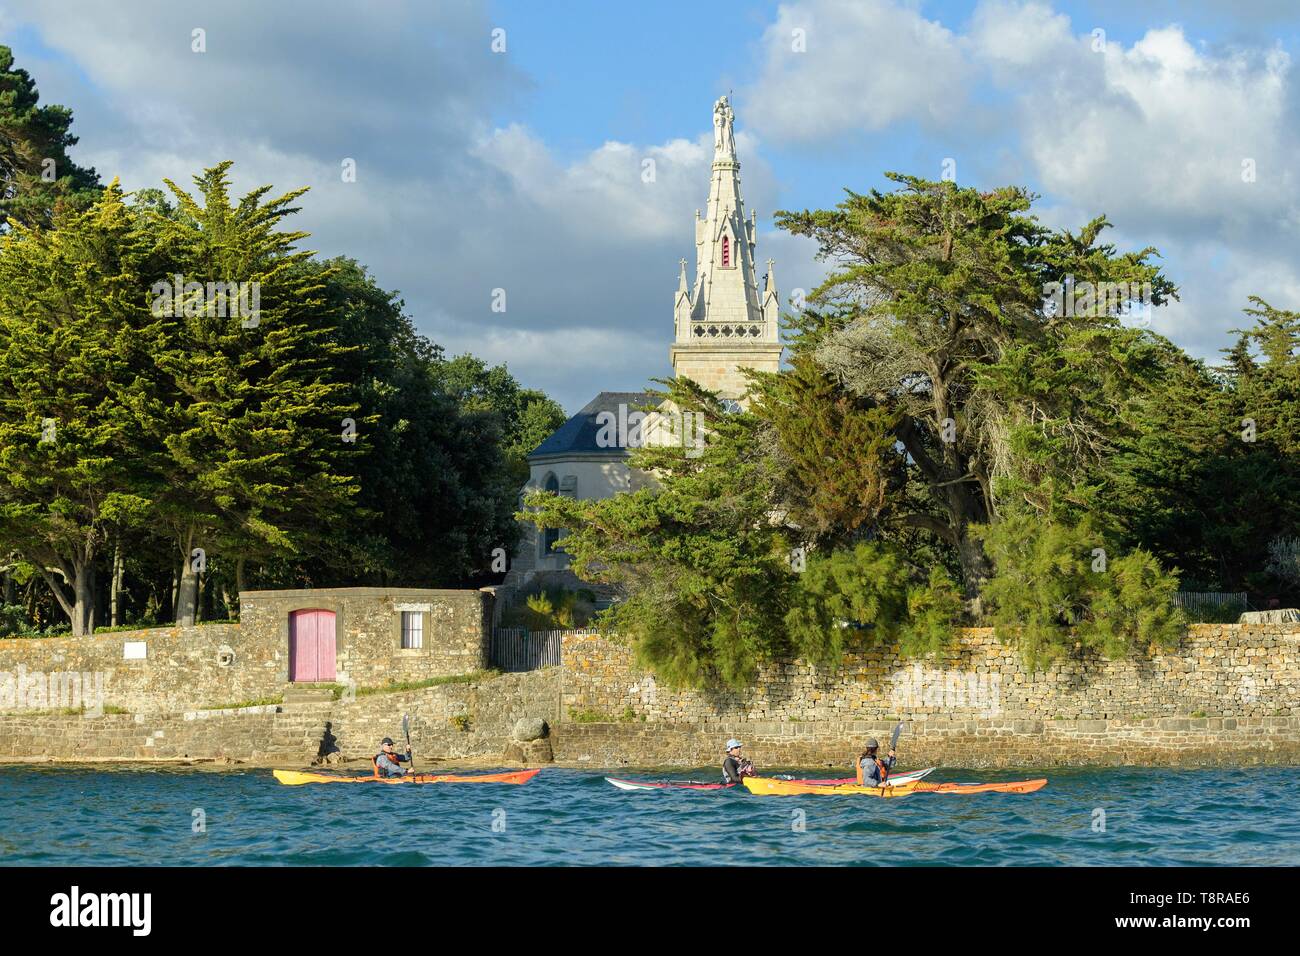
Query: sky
{"type": "Point", "coordinates": [501, 145]}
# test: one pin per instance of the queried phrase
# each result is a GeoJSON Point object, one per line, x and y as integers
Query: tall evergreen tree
{"type": "Point", "coordinates": [260, 437]}
{"type": "Point", "coordinates": [74, 323]}
{"type": "Point", "coordinates": [36, 175]}
{"type": "Point", "coordinates": [936, 311]}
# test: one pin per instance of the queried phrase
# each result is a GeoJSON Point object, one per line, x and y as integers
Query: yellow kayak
{"type": "Point", "coordinates": [766, 786]}
{"type": "Point", "coordinates": [295, 778]}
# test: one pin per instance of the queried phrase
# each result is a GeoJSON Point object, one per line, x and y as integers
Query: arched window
{"type": "Point", "coordinates": [550, 535]}
{"type": "Point", "coordinates": [726, 252]}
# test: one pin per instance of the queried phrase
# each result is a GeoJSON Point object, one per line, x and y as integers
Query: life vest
{"type": "Point", "coordinates": [374, 762]}
{"type": "Point", "coordinates": [862, 778]}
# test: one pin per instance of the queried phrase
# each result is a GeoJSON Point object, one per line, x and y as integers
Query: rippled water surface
{"type": "Point", "coordinates": [138, 816]}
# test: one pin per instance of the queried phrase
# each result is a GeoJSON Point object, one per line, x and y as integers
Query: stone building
{"type": "Point", "coordinates": [722, 323]}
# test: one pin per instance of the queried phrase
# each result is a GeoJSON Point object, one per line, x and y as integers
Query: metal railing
{"type": "Point", "coordinates": [1194, 599]}
{"type": "Point", "coordinates": [517, 649]}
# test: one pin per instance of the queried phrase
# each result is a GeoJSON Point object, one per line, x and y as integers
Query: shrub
{"type": "Point", "coordinates": [12, 619]}
{"type": "Point", "coordinates": [1056, 587]}
{"type": "Point", "coordinates": [867, 596]}
{"type": "Point", "coordinates": [1284, 559]}
{"type": "Point", "coordinates": [551, 609]}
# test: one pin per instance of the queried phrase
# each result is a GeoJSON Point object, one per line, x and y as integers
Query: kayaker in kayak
{"type": "Point", "coordinates": [388, 762]}
{"type": "Point", "coordinates": [734, 766]}
{"type": "Point", "coordinates": [872, 771]}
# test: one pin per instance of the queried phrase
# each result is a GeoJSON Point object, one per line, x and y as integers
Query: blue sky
{"type": "Point", "coordinates": [521, 170]}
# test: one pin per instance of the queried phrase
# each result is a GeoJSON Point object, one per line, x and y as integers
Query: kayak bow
{"type": "Point", "coordinates": [294, 778]}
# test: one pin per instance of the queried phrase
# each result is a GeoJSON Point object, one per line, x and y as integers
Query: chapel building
{"type": "Point", "coordinates": [722, 323]}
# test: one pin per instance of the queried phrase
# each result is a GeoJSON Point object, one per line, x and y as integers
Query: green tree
{"type": "Point", "coordinates": [260, 436]}
{"type": "Point", "coordinates": [833, 453]}
{"type": "Point", "coordinates": [936, 312]}
{"type": "Point", "coordinates": [868, 594]}
{"type": "Point", "coordinates": [74, 334]}
{"type": "Point", "coordinates": [526, 417]}
{"type": "Point", "coordinates": [714, 576]}
{"type": "Point", "coordinates": [704, 570]}
{"type": "Point", "coordinates": [36, 176]}
{"type": "Point", "coordinates": [438, 484]}
{"type": "Point", "coordinates": [1061, 588]}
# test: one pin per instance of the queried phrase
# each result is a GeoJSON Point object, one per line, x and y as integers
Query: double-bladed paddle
{"type": "Point", "coordinates": [406, 729]}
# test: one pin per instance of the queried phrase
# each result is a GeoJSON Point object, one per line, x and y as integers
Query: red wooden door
{"type": "Point", "coordinates": [311, 646]}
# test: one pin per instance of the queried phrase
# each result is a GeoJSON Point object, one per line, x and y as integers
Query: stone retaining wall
{"type": "Point", "coordinates": [1227, 695]}
{"type": "Point", "coordinates": [1220, 670]}
{"type": "Point", "coordinates": [182, 668]}
{"type": "Point", "coordinates": [170, 669]}
{"type": "Point", "coordinates": [292, 735]}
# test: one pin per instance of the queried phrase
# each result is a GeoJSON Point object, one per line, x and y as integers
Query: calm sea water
{"type": "Point", "coordinates": [110, 817]}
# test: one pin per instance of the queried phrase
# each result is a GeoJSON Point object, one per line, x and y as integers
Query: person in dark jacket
{"type": "Point", "coordinates": [388, 762]}
{"type": "Point", "coordinates": [872, 771]}
{"type": "Point", "coordinates": [734, 766]}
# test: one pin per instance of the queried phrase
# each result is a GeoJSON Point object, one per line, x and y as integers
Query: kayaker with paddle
{"type": "Point", "coordinates": [388, 762]}
{"type": "Point", "coordinates": [872, 771]}
{"type": "Point", "coordinates": [734, 766]}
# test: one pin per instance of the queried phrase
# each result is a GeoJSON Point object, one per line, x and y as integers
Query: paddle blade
{"type": "Point", "coordinates": [893, 741]}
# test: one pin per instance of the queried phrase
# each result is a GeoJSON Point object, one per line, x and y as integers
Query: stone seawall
{"type": "Point", "coordinates": [1219, 670]}
{"type": "Point", "coordinates": [448, 722]}
{"type": "Point", "coordinates": [1228, 694]}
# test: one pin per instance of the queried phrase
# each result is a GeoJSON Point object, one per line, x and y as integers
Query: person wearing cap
{"type": "Point", "coordinates": [734, 766]}
{"type": "Point", "coordinates": [872, 771]}
{"type": "Point", "coordinates": [388, 762]}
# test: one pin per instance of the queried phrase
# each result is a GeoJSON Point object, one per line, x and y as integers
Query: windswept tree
{"type": "Point", "coordinates": [936, 310]}
{"type": "Point", "coordinates": [37, 178]}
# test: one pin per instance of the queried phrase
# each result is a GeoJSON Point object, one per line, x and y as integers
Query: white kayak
{"type": "Point", "coordinates": [622, 784]}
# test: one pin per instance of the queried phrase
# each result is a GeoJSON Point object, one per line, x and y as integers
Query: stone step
{"type": "Point", "coordinates": [308, 694]}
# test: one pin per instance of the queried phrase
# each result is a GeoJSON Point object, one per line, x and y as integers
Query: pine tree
{"type": "Point", "coordinates": [837, 450]}
{"type": "Point", "coordinates": [260, 438]}
{"type": "Point", "coordinates": [937, 313]}
{"type": "Point", "coordinates": [36, 176]}
{"type": "Point", "coordinates": [74, 328]}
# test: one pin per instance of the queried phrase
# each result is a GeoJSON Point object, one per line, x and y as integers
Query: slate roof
{"type": "Point", "coordinates": [578, 434]}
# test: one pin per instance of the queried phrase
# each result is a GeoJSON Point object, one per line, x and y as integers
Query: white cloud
{"type": "Point", "coordinates": [867, 64]}
{"type": "Point", "coordinates": [446, 208]}
{"type": "Point", "coordinates": [1155, 133]}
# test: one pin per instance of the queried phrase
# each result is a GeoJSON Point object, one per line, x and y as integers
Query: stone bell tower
{"type": "Point", "coordinates": [724, 322]}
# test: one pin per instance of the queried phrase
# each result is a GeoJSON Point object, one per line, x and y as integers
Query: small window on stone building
{"type": "Point", "coordinates": [550, 536]}
{"type": "Point", "coordinates": [412, 630]}
{"type": "Point", "coordinates": [726, 252]}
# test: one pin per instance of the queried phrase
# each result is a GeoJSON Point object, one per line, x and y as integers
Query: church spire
{"type": "Point", "coordinates": [724, 317]}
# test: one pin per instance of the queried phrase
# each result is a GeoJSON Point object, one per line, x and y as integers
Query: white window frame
{"type": "Point", "coordinates": [413, 636]}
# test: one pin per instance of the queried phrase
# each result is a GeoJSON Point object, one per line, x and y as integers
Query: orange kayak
{"type": "Point", "coordinates": [294, 778]}
{"type": "Point", "coordinates": [786, 788]}
{"type": "Point", "coordinates": [1016, 786]}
